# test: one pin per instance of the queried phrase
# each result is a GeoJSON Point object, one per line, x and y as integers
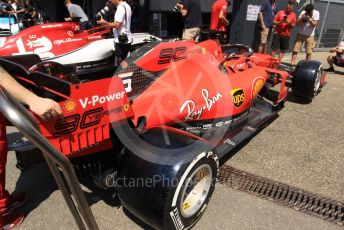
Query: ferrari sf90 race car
{"type": "Point", "coordinates": [156, 130]}
{"type": "Point", "coordinates": [66, 44]}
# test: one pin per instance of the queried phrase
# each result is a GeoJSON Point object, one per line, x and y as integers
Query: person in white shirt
{"type": "Point", "coordinates": [307, 22]}
{"type": "Point", "coordinates": [337, 60]}
{"type": "Point", "coordinates": [121, 25]}
{"type": "Point", "coordinates": [18, 9]}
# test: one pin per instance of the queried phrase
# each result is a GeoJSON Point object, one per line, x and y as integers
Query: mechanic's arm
{"type": "Point", "coordinates": [276, 21]}
{"type": "Point", "coordinates": [43, 107]}
{"type": "Point", "coordinates": [34, 13]}
{"type": "Point", "coordinates": [20, 11]}
{"type": "Point", "coordinates": [261, 19]}
{"type": "Point", "coordinates": [313, 22]}
{"type": "Point", "coordinates": [223, 18]}
{"type": "Point", "coordinates": [334, 49]}
{"type": "Point", "coordinates": [301, 19]}
{"type": "Point", "coordinates": [339, 50]}
{"type": "Point", "coordinates": [292, 23]}
{"type": "Point", "coordinates": [114, 25]}
{"type": "Point", "coordinates": [182, 10]}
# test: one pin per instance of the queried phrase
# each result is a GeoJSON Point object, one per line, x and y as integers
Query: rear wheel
{"type": "Point", "coordinates": [171, 185]}
{"type": "Point", "coordinates": [192, 195]}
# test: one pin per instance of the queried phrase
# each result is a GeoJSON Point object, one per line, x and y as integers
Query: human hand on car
{"type": "Point", "coordinates": [69, 19]}
{"type": "Point", "coordinates": [45, 108]}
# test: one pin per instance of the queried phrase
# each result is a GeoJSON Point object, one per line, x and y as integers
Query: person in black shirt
{"type": "Point", "coordinates": [191, 11]}
{"type": "Point", "coordinates": [30, 15]}
{"type": "Point", "coordinates": [6, 9]}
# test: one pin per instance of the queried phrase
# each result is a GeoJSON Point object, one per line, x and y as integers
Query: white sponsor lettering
{"type": "Point", "coordinates": [240, 66]}
{"type": "Point", "coordinates": [41, 46]}
{"type": "Point", "coordinates": [193, 128]}
{"type": "Point", "coordinates": [67, 40]}
{"type": "Point", "coordinates": [228, 122]}
{"type": "Point", "coordinates": [176, 219]}
{"type": "Point", "coordinates": [2, 42]}
{"type": "Point", "coordinates": [229, 142]}
{"type": "Point", "coordinates": [251, 128]}
{"type": "Point", "coordinates": [207, 126]}
{"type": "Point", "coordinates": [95, 99]}
{"type": "Point", "coordinates": [51, 26]}
{"type": "Point", "coordinates": [126, 79]}
{"type": "Point", "coordinates": [94, 37]}
{"type": "Point", "coordinates": [190, 106]}
{"type": "Point", "coordinates": [219, 124]}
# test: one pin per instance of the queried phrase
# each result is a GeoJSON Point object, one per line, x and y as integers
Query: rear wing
{"type": "Point", "coordinates": [89, 109]}
{"type": "Point", "coordinates": [59, 165]}
{"type": "Point", "coordinates": [88, 114]}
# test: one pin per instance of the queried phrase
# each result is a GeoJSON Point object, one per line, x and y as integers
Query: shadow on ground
{"type": "Point", "coordinates": [39, 184]}
{"type": "Point", "coordinates": [339, 72]}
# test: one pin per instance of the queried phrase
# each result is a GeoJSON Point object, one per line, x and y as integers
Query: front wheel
{"type": "Point", "coordinates": [306, 81]}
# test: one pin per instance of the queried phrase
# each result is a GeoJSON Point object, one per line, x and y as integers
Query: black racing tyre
{"type": "Point", "coordinates": [195, 188]}
{"type": "Point", "coordinates": [306, 79]}
{"type": "Point", "coordinates": [177, 194]}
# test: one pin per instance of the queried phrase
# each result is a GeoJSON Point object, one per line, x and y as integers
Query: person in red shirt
{"type": "Point", "coordinates": [218, 21]}
{"type": "Point", "coordinates": [46, 109]}
{"type": "Point", "coordinates": [283, 21]}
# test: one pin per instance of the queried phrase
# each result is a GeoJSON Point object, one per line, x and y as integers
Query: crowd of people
{"type": "Point", "coordinates": [28, 13]}
{"type": "Point", "coordinates": [278, 23]}
{"type": "Point", "coordinates": [281, 23]}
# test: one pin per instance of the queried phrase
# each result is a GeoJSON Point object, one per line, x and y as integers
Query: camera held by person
{"type": "Point", "coordinates": [306, 18]}
{"type": "Point", "coordinates": [176, 8]}
{"type": "Point", "coordinates": [104, 11]}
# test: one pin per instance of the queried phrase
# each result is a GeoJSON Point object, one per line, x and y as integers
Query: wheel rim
{"type": "Point", "coordinates": [196, 191]}
{"type": "Point", "coordinates": [317, 82]}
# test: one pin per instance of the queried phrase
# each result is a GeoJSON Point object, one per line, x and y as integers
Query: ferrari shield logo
{"type": "Point", "coordinates": [238, 97]}
{"type": "Point", "coordinates": [126, 107]}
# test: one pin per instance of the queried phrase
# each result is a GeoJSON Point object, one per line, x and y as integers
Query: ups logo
{"type": "Point", "coordinates": [238, 97]}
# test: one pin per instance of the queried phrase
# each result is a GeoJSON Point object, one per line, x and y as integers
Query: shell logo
{"type": "Point", "coordinates": [204, 51]}
{"type": "Point", "coordinates": [258, 84]}
{"type": "Point", "coordinates": [70, 106]}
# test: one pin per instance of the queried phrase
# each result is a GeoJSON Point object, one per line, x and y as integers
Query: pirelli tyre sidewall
{"type": "Point", "coordinates": [158, 201]}
{"type": "Point", "coordinates": [180, 213]}
{"type": "Point", "coordinates": [307, 78]}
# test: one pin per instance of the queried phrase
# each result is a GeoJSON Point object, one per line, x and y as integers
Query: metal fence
{"type": "Point", "coordinates": [330, 29]}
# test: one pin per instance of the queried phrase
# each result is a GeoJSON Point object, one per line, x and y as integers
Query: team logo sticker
{"type": "Point", "coordinates": [70, 106]}
{"type": "Point", "coordinates": [258, 84]}
{"type": "Point", "coordinates": [126, 107]}
{"type": "Point", "coordinates": [238, 97]}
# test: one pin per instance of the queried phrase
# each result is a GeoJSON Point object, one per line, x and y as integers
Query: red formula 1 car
{"type": "Point", "coordinates": [156, 130]}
